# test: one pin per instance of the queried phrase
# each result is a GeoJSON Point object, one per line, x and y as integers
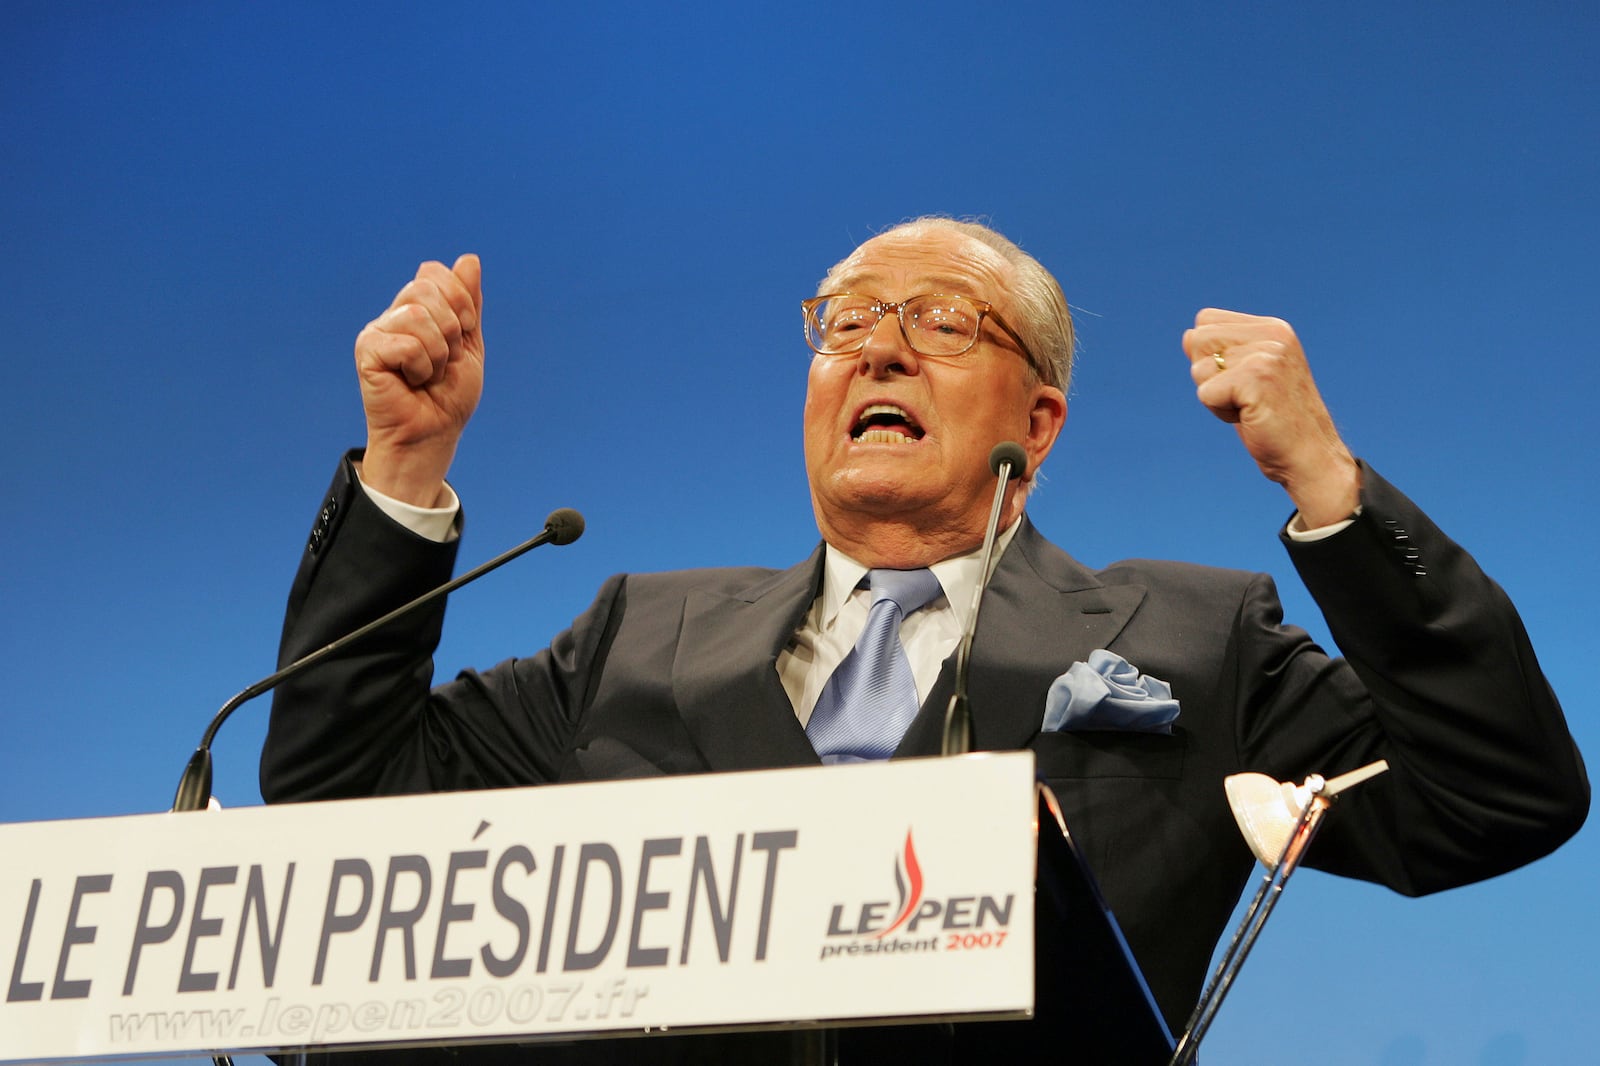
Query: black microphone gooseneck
{"type": "Point", "coordinates": [563, 526]}
{"type": "Point", "coordinates": [1008, 461]}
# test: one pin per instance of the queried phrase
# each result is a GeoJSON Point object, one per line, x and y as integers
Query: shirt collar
{"type": "Point", "coordinates": [958, 576]}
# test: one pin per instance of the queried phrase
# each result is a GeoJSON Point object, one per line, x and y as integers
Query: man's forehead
{"type": "Point", "coordinates": [937, 260]}
{"type": "Point", "coordinates": [924, 281]}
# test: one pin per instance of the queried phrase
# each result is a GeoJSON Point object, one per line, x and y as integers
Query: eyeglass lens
{"type": "Point", "coordinates": [934, 325]}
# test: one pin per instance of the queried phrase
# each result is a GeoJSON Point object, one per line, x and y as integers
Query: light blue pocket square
{"type": "Point", "coordinates": [1108, 692]}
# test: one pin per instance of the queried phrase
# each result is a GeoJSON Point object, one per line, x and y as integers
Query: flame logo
{"type": "Point", "coordinates": [906, 869]}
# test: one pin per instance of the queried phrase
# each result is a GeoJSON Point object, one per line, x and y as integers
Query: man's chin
{"type": "Point", "coordinates": [877, 490]}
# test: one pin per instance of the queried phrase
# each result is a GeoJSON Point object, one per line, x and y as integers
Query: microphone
{"type": "Point", "coordinates": [1007, 461]}
{"type": "Point", "coordinates": [1007, 451]}
{"type": "Point", "coordinates": [563, 526]}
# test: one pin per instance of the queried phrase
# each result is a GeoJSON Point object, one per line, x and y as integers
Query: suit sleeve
{"type": "Point", "coordinates": [367, 722]}
{"type": "Point", "coordinates": [1442, 682]}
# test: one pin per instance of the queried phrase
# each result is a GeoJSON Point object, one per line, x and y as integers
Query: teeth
{"type": "Point", "coordinates": [884, 434]}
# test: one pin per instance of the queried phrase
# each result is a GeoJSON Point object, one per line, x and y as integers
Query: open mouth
{"type": "Point", "coordinates": [884, 423]}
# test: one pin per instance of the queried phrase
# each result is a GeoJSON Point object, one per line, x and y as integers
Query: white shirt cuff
{"type": "Point", "coordinates": [1308, 536]}
{"type": "Point", "coordinates": [437, 524]}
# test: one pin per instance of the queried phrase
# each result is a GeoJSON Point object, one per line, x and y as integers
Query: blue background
{"type": "Point", "coordinates": [204, 202]}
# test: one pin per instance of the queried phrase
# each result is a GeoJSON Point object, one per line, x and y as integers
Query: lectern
{"type": "Point", "coordinates": [926, 911]}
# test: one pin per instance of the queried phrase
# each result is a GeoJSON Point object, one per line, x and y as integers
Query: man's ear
{"type": "Point", "coordinates": [1045, 419]}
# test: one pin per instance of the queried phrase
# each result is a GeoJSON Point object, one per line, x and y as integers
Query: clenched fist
{"type": "Point", "coordinates": [1252, 372]}
{"type": "Point", "coordinates": [421, 369]}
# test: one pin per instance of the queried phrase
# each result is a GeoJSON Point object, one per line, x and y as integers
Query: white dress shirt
{"type": "Point", "coordinates": [836, 619]}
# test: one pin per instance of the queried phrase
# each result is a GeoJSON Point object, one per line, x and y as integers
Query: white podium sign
{"type": "Point", "coordinates": [825, 894]}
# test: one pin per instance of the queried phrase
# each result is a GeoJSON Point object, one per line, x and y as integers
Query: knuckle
{"type": "Point", "coordinates": [449, 324]}
{"type": "Point", "coordinates": [1279, 330]}
{"type": "Point", "coordinates": [404, 316]}
{"type": "Point", "coordinates": [401, 352]}
{"type": "Point", "coordinates": [419, 293]}
{"type": "Point", "coordinates": [409, 346]}
{"type": "Point", "coordinates": [416, 320]}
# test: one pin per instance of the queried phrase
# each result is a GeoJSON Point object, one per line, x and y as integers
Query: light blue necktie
{"type": "Point", "coordinates": [869, 702]}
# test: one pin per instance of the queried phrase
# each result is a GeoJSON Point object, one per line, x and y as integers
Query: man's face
{"type": "Point", "coordinates": [897, 444]}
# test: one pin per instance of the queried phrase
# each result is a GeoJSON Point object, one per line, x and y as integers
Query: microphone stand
{"type": "Point", "coordinates": [194, 788]}
{"type": "Point", "coordinates": [1008, 461]}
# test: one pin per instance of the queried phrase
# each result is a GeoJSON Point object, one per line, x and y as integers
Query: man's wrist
{"type": "Point", "coordinates": [437, 524]}
{"type": "Point", "coordinates": [1332, 496]}
{"type": "Point", "coordinates": [1300, 534]}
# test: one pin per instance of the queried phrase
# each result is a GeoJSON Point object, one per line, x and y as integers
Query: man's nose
{"type": "Point", "coordinates": [887, 348]}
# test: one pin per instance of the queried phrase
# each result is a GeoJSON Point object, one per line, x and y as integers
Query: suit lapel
{"type": "Point", "coordinates": [1042, 612]}
{"type": "Point", "coordinates": [725, 676]}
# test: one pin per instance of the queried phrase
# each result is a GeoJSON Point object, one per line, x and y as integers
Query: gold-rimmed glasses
{"type": "Point", "coordinates": [934, 324]}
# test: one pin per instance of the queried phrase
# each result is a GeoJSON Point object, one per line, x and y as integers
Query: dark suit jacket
{"type": "Point", "coordinates": [675, 673]}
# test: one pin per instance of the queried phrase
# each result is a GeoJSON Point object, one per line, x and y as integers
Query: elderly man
{"type": "Point", "coordinates": [935, 341]}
